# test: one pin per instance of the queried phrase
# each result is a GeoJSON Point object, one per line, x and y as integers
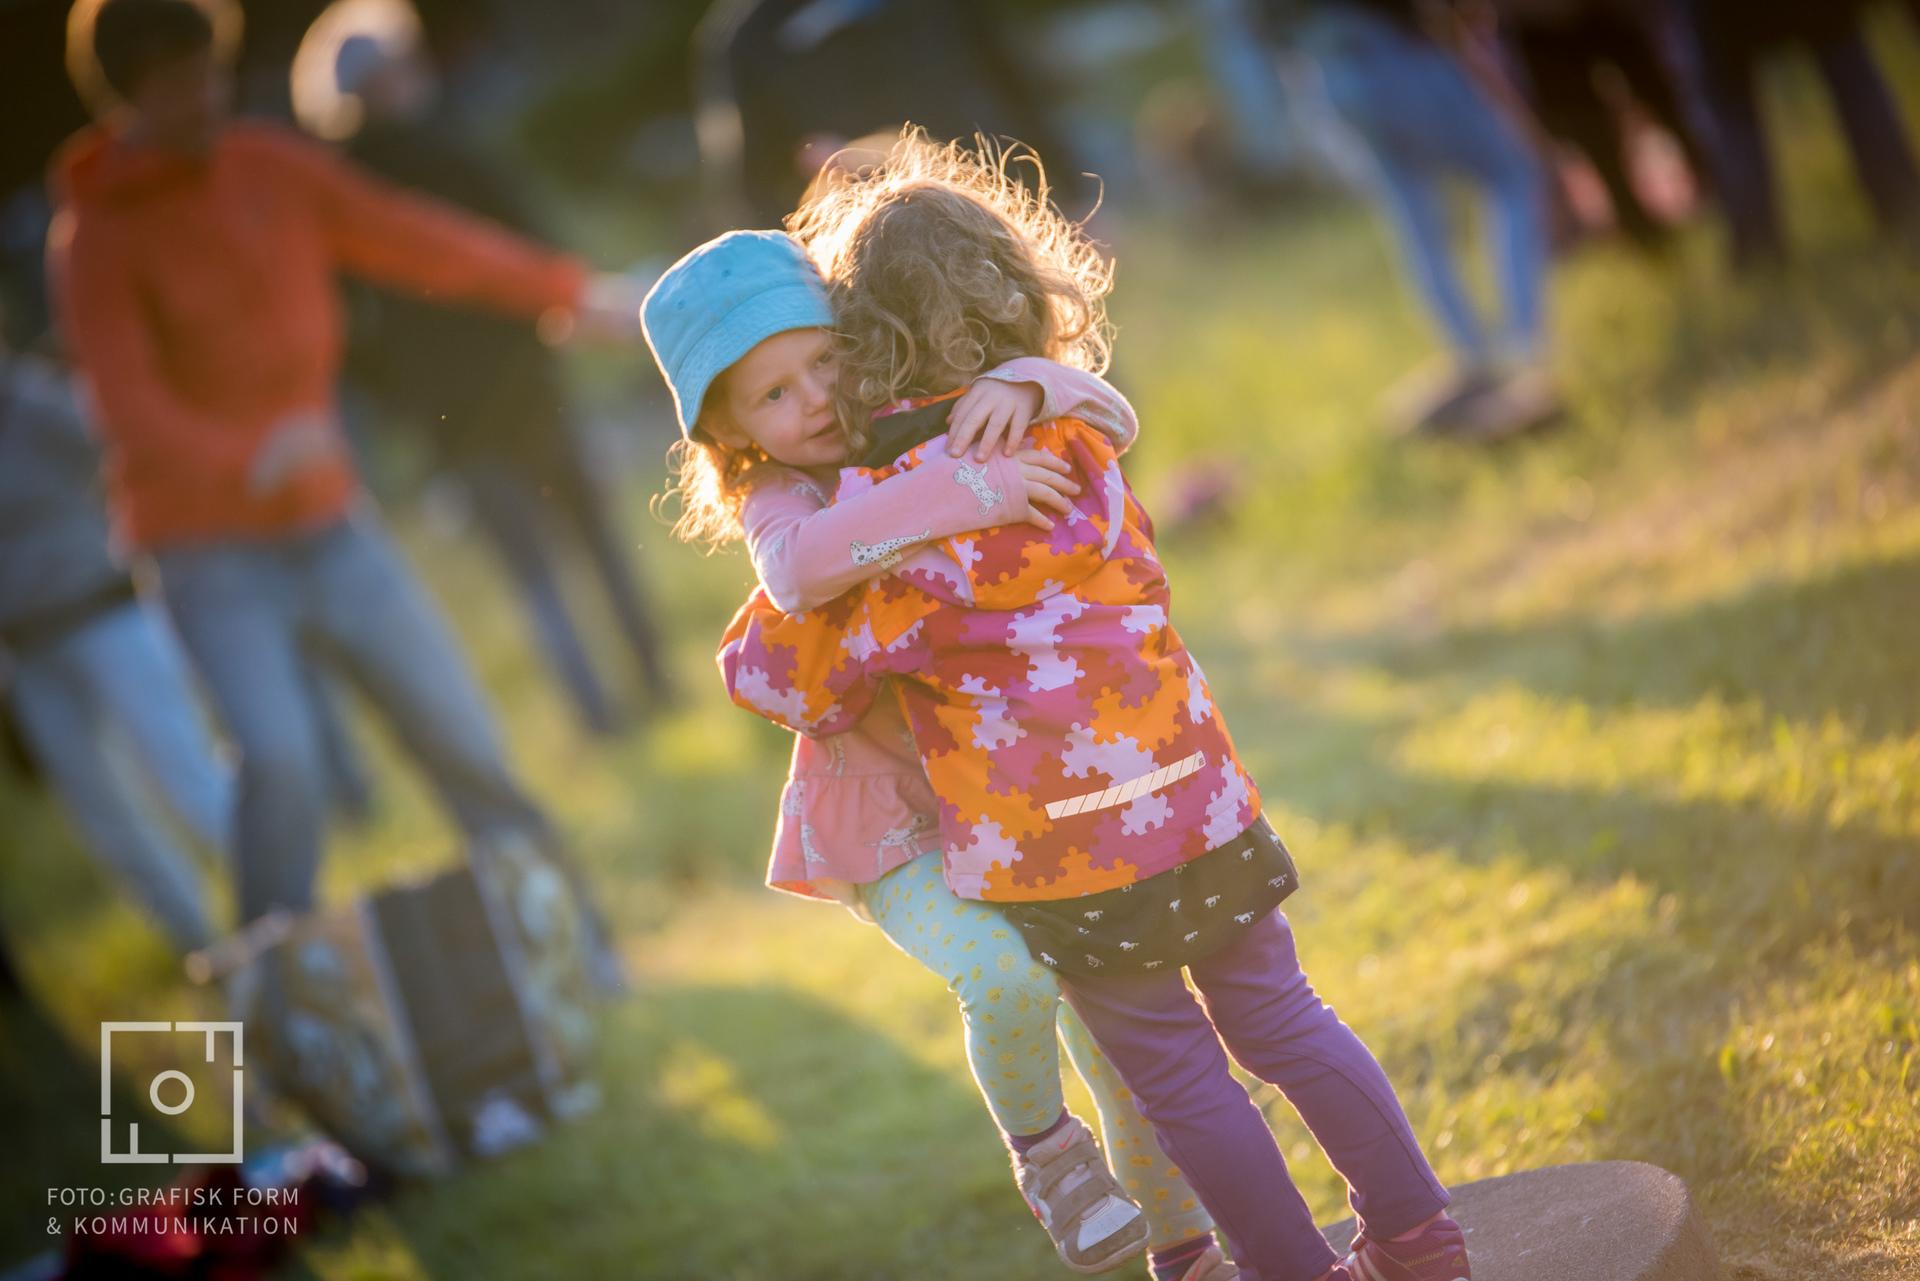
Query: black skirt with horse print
{"type": "Point", "coordinates": [1167, 921]}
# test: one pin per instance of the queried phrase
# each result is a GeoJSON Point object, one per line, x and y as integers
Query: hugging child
{"type": "Point", "coordinates": [740, 329]}
{"type": "Point", "coordinates": [1085, 777]}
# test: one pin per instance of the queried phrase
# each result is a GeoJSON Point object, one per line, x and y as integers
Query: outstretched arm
{"type": "Point", "coordinates": [395, 238]}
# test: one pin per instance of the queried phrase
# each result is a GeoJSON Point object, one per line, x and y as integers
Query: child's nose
{"type": "Point", "coordinates": [819, 389]}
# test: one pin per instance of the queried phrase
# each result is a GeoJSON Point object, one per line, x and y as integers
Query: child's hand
{"type": "Point", "coordinates": [996, 412]}
{"type": "Point", "coordinates": [1050, 484]}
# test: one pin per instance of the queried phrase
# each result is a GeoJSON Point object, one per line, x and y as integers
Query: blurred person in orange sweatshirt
{"type": "Point", "coordinates": [195, 264]}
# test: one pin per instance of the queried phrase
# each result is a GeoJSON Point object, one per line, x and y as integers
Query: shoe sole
{"type": "Point", "coordinates": [1133, 1244]}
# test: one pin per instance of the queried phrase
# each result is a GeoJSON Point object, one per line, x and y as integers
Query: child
{"type": "Point", "coordinates": [738, 329]}
{"type": "Point", "coordinates": [1086, 779]}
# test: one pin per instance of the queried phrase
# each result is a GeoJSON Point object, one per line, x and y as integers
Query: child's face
{"type": "Point", "coordinates": [779, 396]}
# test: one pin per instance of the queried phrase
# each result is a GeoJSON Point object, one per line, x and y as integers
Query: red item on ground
{"type": "Point", "coordinates": [187, 1240]}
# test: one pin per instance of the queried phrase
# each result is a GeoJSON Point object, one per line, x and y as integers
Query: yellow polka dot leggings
{"type": "Point", "coordinates": [1009, 1007]}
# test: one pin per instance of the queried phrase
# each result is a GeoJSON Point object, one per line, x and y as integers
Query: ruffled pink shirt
{"type": "Point", "coordinates": [857, 805]}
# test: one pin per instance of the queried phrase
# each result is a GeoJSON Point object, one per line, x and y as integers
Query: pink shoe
{"type": "Point", "coordinates": [1439, 1253]}
{"type": "Point", "coordinates": [1212, 1266]}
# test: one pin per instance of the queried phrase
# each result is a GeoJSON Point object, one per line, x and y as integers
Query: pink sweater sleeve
{"type": "Point", "coordinates": [1074, 393]}
{"type": "Point", "coordinates": [806, 552]}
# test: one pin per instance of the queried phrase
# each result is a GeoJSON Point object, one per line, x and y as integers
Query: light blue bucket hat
{"type": "Point", "coordinates": [714, 305]}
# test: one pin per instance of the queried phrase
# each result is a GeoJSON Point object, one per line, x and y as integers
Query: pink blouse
{"type": "Point", "coordinates": [857, 805]}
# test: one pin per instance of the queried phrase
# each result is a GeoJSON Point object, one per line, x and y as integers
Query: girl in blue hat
{"type": "Point", "coordinates": [741, 328]}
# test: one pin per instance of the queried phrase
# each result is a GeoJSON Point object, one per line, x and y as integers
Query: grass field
{"type": "Point", "coordinates": [1600, 754]}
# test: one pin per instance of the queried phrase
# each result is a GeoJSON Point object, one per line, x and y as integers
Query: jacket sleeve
{"type": "Point", "coordinates": [816, 673]}
{"type": "Point", "coordinates": [1066, 392]}
{"type": "Point", "coordinates": [807, 553]}
{"type": "Point", "coordinates": [424, 247]}
{"type": "Point", "coordinates": [97, 296]}
{"type": "Point", "coordinates": [1018, 565]}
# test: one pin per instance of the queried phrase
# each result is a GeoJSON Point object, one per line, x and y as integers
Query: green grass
{"type": "Point", "coordinates": [1601, 756]}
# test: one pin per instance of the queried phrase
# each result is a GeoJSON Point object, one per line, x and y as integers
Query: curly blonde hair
{"type": "Point", "coordinates": [709, 487]}
{"type": "Point", "coordinates": [943, 264]}
{"type": "Point", "coordinates": [709, 480]}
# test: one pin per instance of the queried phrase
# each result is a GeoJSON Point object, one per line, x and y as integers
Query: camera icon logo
{"type": "Point", "coordinates": [170, 1091]}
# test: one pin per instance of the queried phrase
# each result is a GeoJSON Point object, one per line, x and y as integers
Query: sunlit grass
{"type": "Point", "coordinates": [1599, 754]}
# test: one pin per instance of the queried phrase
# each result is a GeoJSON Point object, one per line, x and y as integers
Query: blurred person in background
{"type": "Point", "coordinates": [1567, 51]}
{"type": "Point", "coordinates": [194, 263]}
{"type": "Point", "coordinates": [99, 687]}
{"type": "Point", "coordinates": [490, 396]}
{"type": "Point", "coordinates": [1422, 122]}
{"type": "Point", "coordinates": [10, 985]}
{"type": "Point", "coordinates": [781, 84]}
{"type": "Point", "coordinates": [1246, 77]}
{"type": "Point", "coordinates": [1733, 38]}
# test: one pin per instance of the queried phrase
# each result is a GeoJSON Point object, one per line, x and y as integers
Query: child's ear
{"type": "Point", "coordinates": [724, 432]}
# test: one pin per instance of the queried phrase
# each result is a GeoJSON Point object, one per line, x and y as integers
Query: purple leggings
{"type": "Point", "coordinates": [1167, 1049]}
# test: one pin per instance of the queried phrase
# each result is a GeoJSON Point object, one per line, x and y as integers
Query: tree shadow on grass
{"type": "Point", "coordinates": [48, 879]}
{"type": "Point", "coordinates": [1841, 295]}
{"type": "Point", "coordinates": [51, 1089]}
{"type": "Point", "coordinates": [746, 1133]}
{"type": "Point", "coordinates": [1665, 1103]}
{"type": "Point", "coordinates": [1643, 1014]}
{"type": "Point", "coordinates": [1750, 895]}
{"type": "Point", "coordinates": [1760, 884]}
{"type": "Point", "coordinates": [1841, 645]}
{"type": "Point", "coordinates": [1757, 881]}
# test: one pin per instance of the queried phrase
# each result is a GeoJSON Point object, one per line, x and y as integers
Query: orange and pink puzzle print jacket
{"type": "Point", "coordinates": [1069, 735]}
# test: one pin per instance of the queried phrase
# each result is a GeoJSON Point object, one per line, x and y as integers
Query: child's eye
{"type": "Point", "coordinates": [824, 359]}
{"type": "Point", "coordinates": [776, 394]}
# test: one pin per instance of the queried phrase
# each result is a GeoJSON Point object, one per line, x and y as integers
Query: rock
{"type": "Point", "coordinates": [1605, 1221]}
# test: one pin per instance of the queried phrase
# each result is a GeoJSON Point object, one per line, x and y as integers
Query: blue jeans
{"type": "Point", "coordinates": [110, 715]}
{"type": "Point", "coordinates": [246, 611]}
{"type": "Point", "coordinates": [1422, 121]}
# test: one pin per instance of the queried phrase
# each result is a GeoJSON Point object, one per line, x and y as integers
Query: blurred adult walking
{"type": "Point", "coordinates": [99, 687]}
{"type": "Point", "coordinates": [1423, 122]}
{"type": "Point", "coordinates": [782, 83]}
{"type": "Point", "coordinates": [10, 985]}
{"type": "Point", "coordinates": [195, 263]}
{"type": "Point", "coordinates": [489, 395]}
{"type": "Point", "coordinates": [1734, 38]}
{"type": "Point", "coordinates": [1564, 49]}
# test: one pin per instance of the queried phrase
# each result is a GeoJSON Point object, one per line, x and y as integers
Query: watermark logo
{"type": "Point", "coordinates": [170, 1091]}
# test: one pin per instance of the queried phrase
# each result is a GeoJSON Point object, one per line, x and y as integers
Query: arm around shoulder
{"type": "Point", "coordinates": [1066, 392]}
{"type": "Point", "coordinates": [806, 553]}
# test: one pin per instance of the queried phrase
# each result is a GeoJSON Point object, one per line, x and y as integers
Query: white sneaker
{"type": "Point", "coordinates": [1094, 1225]}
